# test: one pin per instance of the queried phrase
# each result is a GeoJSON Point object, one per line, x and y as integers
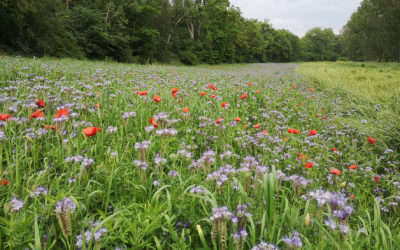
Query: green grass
{"type": "Point", "coordinates": [362, 86]}
{"type": "Point", "coordinates": [376, 82]}
{"type": "Point", "coordinates": [172, 205]}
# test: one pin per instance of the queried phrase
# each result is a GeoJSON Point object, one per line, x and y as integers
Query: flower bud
{"type": "Point", "coordinates": [307, 220]}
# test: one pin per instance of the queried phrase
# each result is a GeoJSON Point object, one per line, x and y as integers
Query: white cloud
{"type": "Point", "coordinates": [298, 16]}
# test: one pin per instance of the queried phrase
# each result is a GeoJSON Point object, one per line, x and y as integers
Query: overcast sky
{"type": "Point", "coordinates": [298, 16]}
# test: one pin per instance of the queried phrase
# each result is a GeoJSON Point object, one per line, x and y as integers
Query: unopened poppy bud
{"type": "Point", "coordinates": [307, 220]}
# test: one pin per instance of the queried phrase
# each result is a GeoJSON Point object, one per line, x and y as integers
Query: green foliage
{"type": "Point", "coordinates": [320, 45]}
{"type": "Point", "coordinates": [372, 33]}
{"type": "Point", "coordinates": [191, 31]}
{"type": "Point", "coordinates": [188, 57]}
{"type": "Point", "coordinates": [285, 47]}
{"type": "Point", "coordinates": [37, 28]}
{"type": "Point", "coordinates": [145, 31]}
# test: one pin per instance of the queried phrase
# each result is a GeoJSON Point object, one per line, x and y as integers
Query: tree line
{"type": "Point", "coordinates": [373, 32]}
{"type": "Point", "coordinates": [145, 31]}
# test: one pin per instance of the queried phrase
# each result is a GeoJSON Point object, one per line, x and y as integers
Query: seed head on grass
{"type": "Point", "coordinates": [63, 210]}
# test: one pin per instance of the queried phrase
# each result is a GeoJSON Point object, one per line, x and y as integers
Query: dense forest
{"type": "Point", "coordinates": [373, 32]}
{"type": "Point", "coordinates": [189, 31]}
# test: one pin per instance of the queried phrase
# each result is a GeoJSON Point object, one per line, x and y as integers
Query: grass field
{"type": "Point", "coordinates": [372, 90]}
{"type": "Point", "coordinates": [102, 155]}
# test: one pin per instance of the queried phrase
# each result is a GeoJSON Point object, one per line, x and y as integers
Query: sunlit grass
{"type": "Point", "coordinates": [375, 82]}
{"type": "Point", "coordinates": [371, 89]}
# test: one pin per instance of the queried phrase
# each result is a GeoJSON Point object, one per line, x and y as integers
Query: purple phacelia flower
{"type": "Point", "coordinates": [141, 164]}
{"type": "Point", "coordinates": [265, 246]}
{"type": "Point", "coordinates": [330, 223]}
{"type": "Point", "coordinates": [39, 191]}
{"type": "Point", "coordinates": [221, 213]}
{"type": "Point", "coordinates": [172, 173]}
{"type": "Point", "coordinates": [294, 241]}
{"type": "Point", "coordinates": [197, 190]}
{"type": "Point", "coordinates": [15, 205]}
{"type": "Point", "coordinates": [65, 205]}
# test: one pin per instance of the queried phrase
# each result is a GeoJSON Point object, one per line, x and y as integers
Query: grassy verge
{"type": "Point", "coordinates": [371, 92]}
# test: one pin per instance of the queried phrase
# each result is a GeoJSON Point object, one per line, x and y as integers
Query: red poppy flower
{"type": "Point", "coordinates": [302, 156]}
{"type": "Point", "coordinates": [213, 96]}
{"type": "Point", "coordinates": [53, 127]}
{"type": "Point", "coordinates": [224, 104]}
{"type": "Point", "coordinates": [38, 113]}
{"type": "Point", "coordinates": [257, 91]}
{"type": "Point", "coordinates": [174, 90]}
{"type": "Point", "coordinates": [62, 112]}
{"type": "Point", "coordinates": [294, 86]}
{"type": "Point", "coordinates": [371, 140]}
{"type": "Point", "coordinates": [91, 131]}
{"type": "Point", "coordinates": [173, 95]}
{"type": "Point", "coordinates": [313, 132]}
{"type": "Point", "coordinates": [202, 93]}
{"type": "Point", "coordinates": [376, 179]}
{"type": "Point", "coordinates": [237, 119]}
{"type": "Point", "coordinates": [352, 167]}
{"type": "Point", "coordinates": [257, 126]}
{"type": "Point", "coordinates": [211, 86]}
{"type": "Point", "coordinates": [218, 120]}
{"type": "Point", "coordinates": [4, 117]}
{"type": "Point", "coordinates": [152, 121]}
{"type": "Point", "coordinates": [324, 117]}
{"type": "Point", "coordinates": [334, 149]}
{"type": "Point", "coordinates": [352, 196]}
{"type": "Point", "coordinates": [98, 105]}
{"type": "Point", "coordinates": [244, 96]}
{"type": "Point", "coordinates": [185, 109]}
{"type": "Point", "coordinates": [311, 90]}
{"type": "Point", "coordinates": [250, 83]}
{"type": "Point", "coordinates": [40, 103]}
{"type": "Point", "coordinates": [335, 171]}
{"type": "Point", "coordinates": [265, 132]}
{"type": "Point", "coordinates": [309, 165]}
{"type": "Point", "coordinates": [142, 93]}
{"type": "Point", "coordinates": [293, 131]}
{"type": "Point", "coordinates": [156, 98]}
{"type": "Point", "coordinates": [5, 182]}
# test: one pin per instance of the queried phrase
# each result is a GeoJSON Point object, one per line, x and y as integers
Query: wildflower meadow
{"type": "Point", "coordinates": [98, 155]}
